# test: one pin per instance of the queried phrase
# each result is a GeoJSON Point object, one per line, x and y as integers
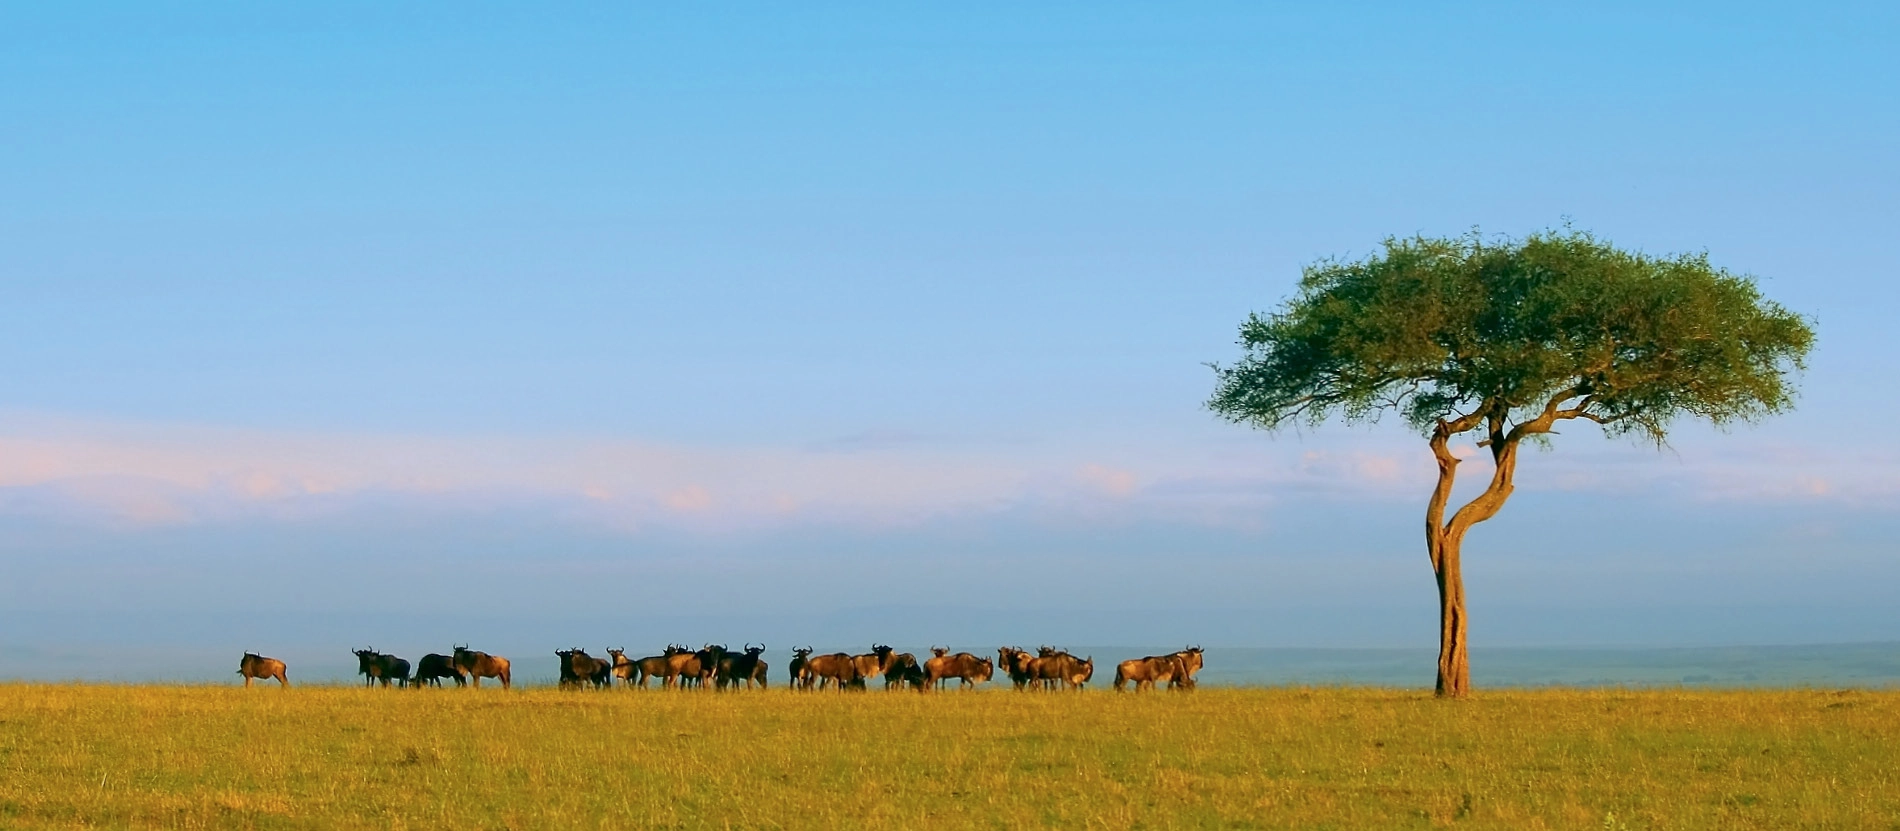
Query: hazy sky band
{"type": "Point", "coordinates": [637, 278]}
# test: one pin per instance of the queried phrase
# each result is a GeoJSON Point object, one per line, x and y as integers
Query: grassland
{"type": "Point", "coordinates": [85, 756]}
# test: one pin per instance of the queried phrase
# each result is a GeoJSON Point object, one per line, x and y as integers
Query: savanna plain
{"type": "Point", "coordinates": [110, 756]}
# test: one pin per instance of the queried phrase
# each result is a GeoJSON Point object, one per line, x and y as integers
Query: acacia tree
{"type": "Point", "coordinates": [1505, 340]}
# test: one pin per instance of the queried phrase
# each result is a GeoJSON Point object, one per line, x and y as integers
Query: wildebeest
{"type": "Point", "coordinates": [743, 667]}
{"type": "Point", "coordinates": [578, 667]}
{"type": "Point", "coordinates": [709, 657]}
{"type": "Point", "coordinates": [683, 667]}
{"type": "Point", "coordinates": [837, 668]}
{"type": "Point", "coordinates": [1146, 672]}
{"type": "Point", "coordinates": [376, 666]}
{"type": "Point", "coordinates": [479, 665]}
{"type": "Point", "coordinates": [1191, 663]}
{"type": "Point", "coordinates": [1053, 668]}
{"type": "Point", "coordinates": [1016, 663]}
{"type": "Point", "coordinates": [873, 663]}
{"type": "Point", "coordinates": [254, 665]}
{"type": "Point", "coordinates": [1082, 672]}
{"type": "Point", "coordinates": [800, 657]}
{"type": "Point", "coordinates": [652, 666]}
{"type": "Point", "coordinates": [433, 668]}
{"type": "Point", "coordinates": [904, 670]}
{"type": "Point", "coordinates": [963, 666]}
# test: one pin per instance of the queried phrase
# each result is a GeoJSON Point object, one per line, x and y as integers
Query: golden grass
{"type": "Point", "coordinates": [218, 757]}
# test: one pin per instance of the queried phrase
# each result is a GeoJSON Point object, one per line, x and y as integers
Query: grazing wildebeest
{"type": "Point", "coordinates": [744, 667]}
{"type": "Point", "coordinates": [433, 668]}
{"type": "Point", "coordinates": [1016, 664]}
{"type": "Point", "coordinates": [904, 670]}
{"type": "Point", "coordinates": [1146, 672]}
{"type": "Point", "coordinates": [257, 666]}
{"type": "Point", "coordinates": [963, 666]}
{"type": "Point", "coordinates": [800, 658]}
{"type": "Point", "coordinates": [578, 667]}
{"type": "Point", "coordinates": [479, 665]}
{"type": "Point", "coordinates": [838, 668]}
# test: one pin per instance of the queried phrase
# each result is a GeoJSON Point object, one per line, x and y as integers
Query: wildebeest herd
{"type": "Point", "coordinates": [716, 666]}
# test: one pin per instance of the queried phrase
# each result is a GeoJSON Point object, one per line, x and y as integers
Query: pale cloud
{"type": "Point", "coordinates": [1108, 480]}
{"type": "Point", "coordinates": [160, 474]}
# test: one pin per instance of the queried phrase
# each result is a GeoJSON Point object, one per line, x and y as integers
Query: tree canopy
{"type": "Point", "coordinates": [1559, 323]}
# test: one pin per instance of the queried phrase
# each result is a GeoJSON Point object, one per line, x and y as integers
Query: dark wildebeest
{"type": "Point", "coordinates": [257, 666]}
{"type": "Point", "coordinates": [744, 667]}
{"type": "Point", "coordinates": [963, 666]}
{"type": "Point", "coordinates": [709, 657]}
{"type": "Point", "coordinates": [396, 668]}
{"type": "Point", "coordinates": [838, 668]}
{"type": "Point", "coordinates": [433, 668]}
{"type": "Point", "coordinates": [800, 657]}
{"type": "Point", "coordinates": [1146, 672]}
{"type": "Point", "coordinates": [578, 667]}
{"type": "Point", "coordinates": [479, 665]}
{"type": "Point", "coordinates": [1015, 662]}
{"type": "Point", "coordinates": [904, 670]}
{"type": "Point", "coordinates": [369, 664]}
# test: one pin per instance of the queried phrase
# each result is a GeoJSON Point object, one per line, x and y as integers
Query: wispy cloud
{"type": "Point", "coordinates": [144, 474]}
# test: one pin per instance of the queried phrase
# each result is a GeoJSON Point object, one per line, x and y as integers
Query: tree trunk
{"type": "Point", "coordinates": [1454, 660]}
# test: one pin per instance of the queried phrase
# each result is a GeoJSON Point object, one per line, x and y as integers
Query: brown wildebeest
{"type": "Point", "coordinates": [904, 670]}
{"type": "Point", "coordinates": [1191, 662]}
{"type": "Point", "coordinates": [838, 668]}
{"type": "Point", "coordinates": [963, 666]}
{"type": "Point", "coordinates": [1053, 668]}
{"type": "Point", "coordinates": [1083, 671]}
{"type": "Point", "coordinates": [654, 666]}
{"type": "Point", "coordinates": [743, 667]}
{"type": "Point", "coordinates": [479, 665]}
{"type": "Point", "coordinates": [257, 666]}
{"type": "Point", "coordinates": [433, 668]}
{"type": "Point", "coordinates": [800, 658]}
{"type": "Point", "coordinates": [873, 663]}
{"type": "Point", "coordinates": [683, 667]}
{"type": "Point", "coordinates": [623, 666]}
{"type": "Point", "coordinates": [1146, 672]}
{"type": "Point", "coordinates": [578, 667]}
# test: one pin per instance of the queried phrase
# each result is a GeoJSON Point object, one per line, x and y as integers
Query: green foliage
{"type": "Point", "coordinates": [1558, 325]}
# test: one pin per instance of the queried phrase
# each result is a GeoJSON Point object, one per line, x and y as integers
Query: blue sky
{"type": "Point", "coordinates": [842, 311]}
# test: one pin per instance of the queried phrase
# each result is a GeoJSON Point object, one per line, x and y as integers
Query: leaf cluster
{"type": "Point", "coordinates": [1466, 332]}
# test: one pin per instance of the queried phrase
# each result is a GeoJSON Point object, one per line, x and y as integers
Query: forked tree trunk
{"type": "Point", "coordinates": [1444, 538]}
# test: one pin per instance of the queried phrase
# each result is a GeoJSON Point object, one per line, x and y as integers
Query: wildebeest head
{"type": "Point", "coordinates": [801, 652]}
{"type": "Point", "coordinates": [754, 651]}
{"type": "Point", "coordinates": [939, 651]}
{"type": "Point", "coordinates": [367, 660]}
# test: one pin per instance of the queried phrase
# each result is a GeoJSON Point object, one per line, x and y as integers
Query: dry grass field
{"type": "Point", "coordinates": [101, 756]}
